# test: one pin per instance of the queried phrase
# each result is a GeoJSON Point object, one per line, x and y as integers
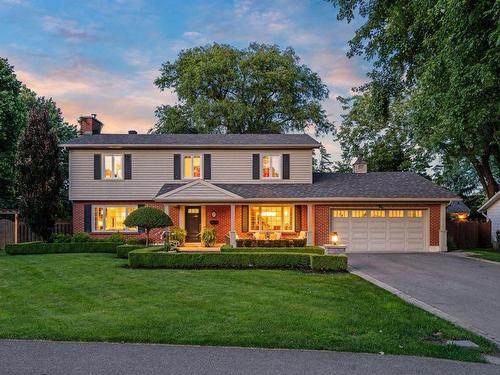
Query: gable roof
{"type": "Point", "coordinates": [193, 140]}
{"type": "Point", "coordinates": [193, 191]}
{"type": "Point", "coordinates": [457, 208]}
{"type": "Point", "coordinates": [489, 202]}
{"type": "Point", "coordinates": [336, 186]}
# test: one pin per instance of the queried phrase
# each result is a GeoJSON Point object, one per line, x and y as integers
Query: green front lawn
{"type": "Point", "coordinates": [95, 297]}
{"type": "Point", "coordinates": [487, 254]}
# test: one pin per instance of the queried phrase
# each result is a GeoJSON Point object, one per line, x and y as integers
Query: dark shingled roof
{"type": "Point", "coordinates": [457, 208]}
{"type": "Point", "coordinates": [195, 139]}
{"type": "Point", "coordinates": [342, 185]}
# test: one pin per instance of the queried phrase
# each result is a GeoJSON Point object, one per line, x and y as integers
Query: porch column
{"type": "Point", "coordinates": [167, 209]}
{"type": "Point", "coordinates": [232, 231]}
{"type": "Point", "coordinates": [310, 238]}
{"type": "Point", "coordinates": [443, 233]}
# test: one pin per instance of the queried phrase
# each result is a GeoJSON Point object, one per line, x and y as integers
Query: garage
{"type": "Point", "coordinates": [381, 229]}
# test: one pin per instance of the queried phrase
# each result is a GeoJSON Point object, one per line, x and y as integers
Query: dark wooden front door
{"type": "Point", "coordinates": [193, 223]}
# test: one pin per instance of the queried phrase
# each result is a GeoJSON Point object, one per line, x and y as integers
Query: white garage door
{"type": "Point", "coordinates": [380, 230]}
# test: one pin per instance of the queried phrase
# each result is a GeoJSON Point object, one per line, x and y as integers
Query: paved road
{"type": "Point", "coordinates": [466, 289]}
{"type": "Point", "coordinates": [64, 358]}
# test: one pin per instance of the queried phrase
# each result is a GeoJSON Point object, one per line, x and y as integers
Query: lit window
{"type": "Point", "coordinates": [271, 218]}
{"type": "Point", "coordinates": [396, 213]}
{"type": "Point", "coordinates": [377, 213]}
{"type": "Point", "coordinates": [359, 213]}
{"type": "Point", "coordinates": [340, 213]}
{"type": "Point", "coordinates": [271, 166]}
{"type": "Point", "coordinates": [113, 166]}
{"type": "Point", "coordinates": [192, 166]}
{"type": "Point", "coordinates": [415, 213]}
{"type": "Point", "coordinates": [110, 218]}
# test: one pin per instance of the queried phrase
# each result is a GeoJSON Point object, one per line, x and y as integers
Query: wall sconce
{"type": "Point", "coordinates": [335, 238]}
{"type": "Point", "coordinates": [214, 214]}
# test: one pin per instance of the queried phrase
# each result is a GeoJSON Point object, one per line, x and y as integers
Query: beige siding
{"type": "Point", "coordinates": [152, 168]}
{"type": "Point", "coordinates": [197, 192]}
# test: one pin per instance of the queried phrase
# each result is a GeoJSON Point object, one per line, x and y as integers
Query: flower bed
{"type": "Point", "coordinates": [302, 250]}
{"type": "Point", "coordinates": [295, 242]}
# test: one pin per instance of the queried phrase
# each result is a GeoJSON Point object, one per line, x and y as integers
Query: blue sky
{"type": "Point", "coordinates": [102, 56]}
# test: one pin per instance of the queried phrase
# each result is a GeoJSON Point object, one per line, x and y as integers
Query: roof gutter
{"type": "Point", "coordinates": [186, 146]}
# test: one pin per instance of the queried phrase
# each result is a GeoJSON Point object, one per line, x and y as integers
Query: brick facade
{"type": "Point", "coordinates": [223, 216]}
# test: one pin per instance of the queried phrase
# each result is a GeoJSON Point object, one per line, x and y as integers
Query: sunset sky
{"type": "Point", "coordinates": [102, 56]}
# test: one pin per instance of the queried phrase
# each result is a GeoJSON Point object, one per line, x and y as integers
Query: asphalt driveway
{"type": "Point", "coordinates": [466, 289]}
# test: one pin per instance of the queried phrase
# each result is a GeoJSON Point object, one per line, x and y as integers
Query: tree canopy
{"type": "Point", "coordinates": [259, 89]}
{"type": "Point", "coordinates": [148, 218]}
{"type": "Point", "coordinates": [440, 58]}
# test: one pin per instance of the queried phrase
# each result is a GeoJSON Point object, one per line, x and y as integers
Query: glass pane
{"type": "Point", "coordinates": [359, 213]}
{"type": "Point", "coordinates": [287, 218]}
{"type": "Point", "coordinates": [98, 219]}
{"type": "Point", "coordinates": [196, 166]}
{"type": "Point", "coordinates": [396, 213]}
{"type": "Point", "coordinates": [117, 167]}
{"type": "Point", "coordinates": [188, 167]}
{"type": "Point", "coordinates": [115, 217]}
{"type": "Point", "coordinates": [377, 213]}
{"type": "Point", "coordinates": [415, 213]}
{"type": "Point", "coordinates": [254, 218]}
{"type": "Point", "coordinates": [108, 166]}
{"type": "Point", "coordinates": [276, 167]}
{"type": "Point", "coordinates": [340, 213]}
{"type": "Point", "coordinates": [266, 166]}
{"type": "Point", "coordinates": [271, 218]}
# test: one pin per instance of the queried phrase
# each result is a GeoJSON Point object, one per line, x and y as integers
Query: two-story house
{"type": "Point", "coordinates": [248, 186]}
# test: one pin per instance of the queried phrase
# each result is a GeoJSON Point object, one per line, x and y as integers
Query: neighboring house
{"type": "Point", "coordinates": [249, 186]}
{"type": "Point", "coordinates": [458, 211]}
{"type": "Point", "coordinates": [492, 211]}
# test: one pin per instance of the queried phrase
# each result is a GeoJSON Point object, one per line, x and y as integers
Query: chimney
{"type": "Point", "coordinates": [132, 132]}
{"type": "Point", "coordinates": [90, 124]}
{"type": "Point", "coordinates": [360, 166]}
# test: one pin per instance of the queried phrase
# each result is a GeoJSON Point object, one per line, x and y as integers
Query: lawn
{"type": "Point", "coordinates": [487, 254]}
{"type": "Point", "coordinates": [95, 297]}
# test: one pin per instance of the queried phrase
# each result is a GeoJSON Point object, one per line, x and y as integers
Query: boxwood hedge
{"type": "Point", "coordinates": [336, 262]}
{"type": "Point", "coordinates": [53, 248]}
{"type": "Point", "coordinates": [123, 250]}
{"type": "Point", "coordinates": [302, 250]}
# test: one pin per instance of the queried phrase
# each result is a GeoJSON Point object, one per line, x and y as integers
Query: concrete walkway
{"type": "Point", "coordinates": [463, 290]}
{"type": "Point", "coordinates": [68, 358]}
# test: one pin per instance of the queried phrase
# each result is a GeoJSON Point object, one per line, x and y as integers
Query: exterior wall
{"type": "Point", "coordinates": [494, 215]}
{"type": "Point", "coordinates": [223, 216]}
{"type": "Point", "coordinates": [153, 168]}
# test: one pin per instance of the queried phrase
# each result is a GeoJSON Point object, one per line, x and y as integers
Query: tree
{"type": "Point", "coordinates": [324, 163]}
{"type": "Point", "coordinates": [222, 89]}
{"type": "Point", "coordinates": [441, 57]}
{"type": "Point", "coordinates": [148, 218]}
{"type": "Point", "coordinates": [38, 182]}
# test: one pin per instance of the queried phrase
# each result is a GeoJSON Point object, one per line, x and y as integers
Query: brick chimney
{"type": "Point", "coordinates": [90, 124]}
{"type": "Point", "coordinates": [360, 166]}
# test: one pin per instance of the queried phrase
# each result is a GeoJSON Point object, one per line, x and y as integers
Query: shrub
{"type": "Point", "coordinates": [295, 242]}
{"type": "Point", "coordinates": [123, 250]}
{"type": "Point", "coordinates": [148, 218]}
{"type": "Point", "coordinates": [136, 241]}
{"type": "Point", "coordinates": [304, 250]}
{"type": "Point", "coordinates": [208, 236]}
{"type": "Point", "coordinates": [52, 248]}
{"type": "Point", "coordinates": [115, 237]}
{"type": "Point", "coordinates": [178, 234]}
{"type": "Point", "coordinates": [60, 238]}
{"type": "Point", "coordinates": [81, 237]}
{"type": "Point", "coordinates": [336, 262]}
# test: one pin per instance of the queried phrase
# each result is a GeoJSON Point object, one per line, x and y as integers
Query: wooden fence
{"type": "Point", "coordinates": [469, 234]}
{"type": "Point", "coordinates": [24, 233]}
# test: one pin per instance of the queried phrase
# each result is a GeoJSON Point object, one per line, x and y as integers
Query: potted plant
{"type": "Point", "coordinates": [178, 234]}
{"type": "Point", "coordinates": [208, 236]}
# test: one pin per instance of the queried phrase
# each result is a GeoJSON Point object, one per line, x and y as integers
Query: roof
{"type": "Point", "coordinates": [457, 208]}
{"type": "Point", "coordinates": [489, 202]}
{"type": "Point", "coordinates": [183, 140]}
{"type": "Point", "coordinates": [373, 185]}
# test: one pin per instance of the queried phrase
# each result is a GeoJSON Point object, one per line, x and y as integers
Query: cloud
{"type": "Point", "coordinates": [68, 29]}
{"type": "Point", "coordinates": [192, 34]}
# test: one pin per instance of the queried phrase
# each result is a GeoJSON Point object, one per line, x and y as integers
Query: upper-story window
{"type": "Point", "coordinates": [271, 166]}
{"type": "Point", "coordinates": [113, 166]}
{"type": "Point", "coordinates": [191, 166]}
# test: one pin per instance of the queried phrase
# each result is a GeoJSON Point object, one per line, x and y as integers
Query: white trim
{"type": "Point", "coordinates": [105, 207]}
{"type": "Point", "coordinates": [187, 146]}
{"type": "Point", "coordinates": [271, 155]}
{"type": "Point", "coordinates": [103, 167]}
{"type": "Point", "coordinates": [192, 155]}
{"type": "Point", "coordinates": [193, 183]}
{"type": "Point", "coordinates": [489, 202]}
{"type": "Point", "coordinates": [272, 205]}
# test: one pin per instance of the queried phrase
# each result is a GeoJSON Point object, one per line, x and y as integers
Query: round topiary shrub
{"type": "Point", "coordinates": [148, 218]}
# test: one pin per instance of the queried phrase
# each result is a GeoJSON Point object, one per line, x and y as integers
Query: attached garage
{"type": "Point", "coordinates": [381, 229]}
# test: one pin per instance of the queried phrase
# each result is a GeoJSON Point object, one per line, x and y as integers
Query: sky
{"type": "Point", "coordinates": [102, 56]}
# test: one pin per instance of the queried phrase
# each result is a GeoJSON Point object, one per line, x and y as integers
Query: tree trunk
{"type": "Point", "coordinates": [485, 175]}
{"type": "Point", "coordinates": [147, 237]}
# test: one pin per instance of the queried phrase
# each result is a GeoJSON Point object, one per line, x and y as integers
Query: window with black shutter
{"type": "Point", "coordinates": [128, 166]}
{"type": "Point", "coordinates": [97, 167]}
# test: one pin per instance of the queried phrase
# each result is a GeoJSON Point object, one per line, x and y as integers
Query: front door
{"type": "Point", "coordinates": [193, 223]}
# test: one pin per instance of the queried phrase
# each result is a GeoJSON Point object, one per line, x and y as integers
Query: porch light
{"type": "Point", "coordinates": [335, 238]}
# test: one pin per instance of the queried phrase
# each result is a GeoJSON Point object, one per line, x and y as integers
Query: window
{"type": "Point", "coordinates": [271, 218]}
{"type": "Point", "coordinates": [396, 213]}
{"type": "Point", "coordinates": [271, 166]}
{"type": "Point", "coordinates": [377, 213]}
{"type": "Point", "coordinates": [191, 166]}
{"type": "Point", "coordinates": [113, 167]}
{"type": "Point", "coordinates": [359, 213]}
{"type": "Point", "coordinates": [110, 218]}
{"type": "Point", "coordinates": [340, 213]}
{"type": "Point", "coordinates": [415, 213]}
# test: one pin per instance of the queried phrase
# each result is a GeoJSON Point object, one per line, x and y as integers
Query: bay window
{"type": "Point", "coordinates": [113, 167]}
{"type": "Point", "coordinates": [191, 166]}
{"type": "Point", "coordinates": [271, 218]}
{"type": "Point", "coordinates": [271, 166]}
{"type": "Point", "coordinates": [110, 218]}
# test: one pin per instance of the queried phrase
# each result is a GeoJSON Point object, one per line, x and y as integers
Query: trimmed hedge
{"type": "Point", "coordinates": [292, 242]}
{"type": "Point", "coordinates": [123, 250]}
{"type": "Point", "coordinates": [53, 248]}
{"type": "Point", "coordinates": [300, 250]}
{"type": "Point", "coordinates": [151, 258]}
{"type": "Point", "coordinates": [337, 262]}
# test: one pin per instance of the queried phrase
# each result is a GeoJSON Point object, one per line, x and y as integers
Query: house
{"type": "Point", "coordinates": [258, 186]}
{"type": "Point", "coordinates": [458, 211]}
{"type": "Point", "coordinates": [492, 211]}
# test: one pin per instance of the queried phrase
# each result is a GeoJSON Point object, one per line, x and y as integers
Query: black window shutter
{"type": "Point", "coordinates": [255, 166]}
{"type": "Point", "coordinates": [140, 229]}
{"type": "Point", "coordinates": [87, 218]}
{"type": "Point", "coordinates": [286, 166]}
{"type": "Point", "coordinates": [244, 218]}
{"type": "Point", "coordinates": [128, 166]}
{"type": "Point", "coordinates": [207, 166]}
{"type": "Point", "coordinates": [97, 166]}
{"type": "Point", "coordinates": [298, 218]}
{"type": "Point", "coordinates": [177, 166]}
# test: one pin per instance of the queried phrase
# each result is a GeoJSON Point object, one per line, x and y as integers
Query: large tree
{"type": "Point", "coordinates": [38, 182]}
{"type": "Point", "coordinates": [259, 89]}
{"type": "Point", "coordinates": [442, 58]}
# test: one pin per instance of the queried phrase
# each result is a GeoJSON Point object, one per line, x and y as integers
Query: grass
{"type": "Point", "coordinates": [487, 254]}
{"type": "Point", "coordinates": [95, 297]}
